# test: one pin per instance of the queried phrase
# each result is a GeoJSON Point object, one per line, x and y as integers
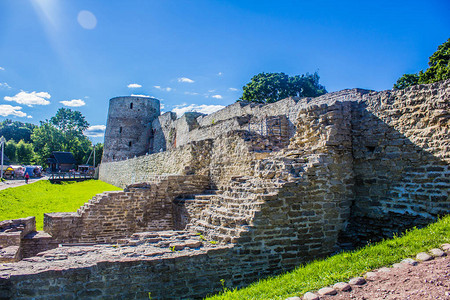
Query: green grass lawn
{"type": "Point", "coordinates": [43, 197]}
{"type": "Point", "coordinates": [343, 266]}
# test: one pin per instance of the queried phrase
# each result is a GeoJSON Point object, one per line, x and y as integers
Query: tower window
{"type": "Point", "coordinates": [129, 144]}
{"type": "Point", "coordinates": [131, 105]}
{"type": "Point", "coordinates": [120, 130]}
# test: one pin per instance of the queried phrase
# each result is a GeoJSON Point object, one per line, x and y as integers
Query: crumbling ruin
{"type": "Point", "coordinates": [249, 191]}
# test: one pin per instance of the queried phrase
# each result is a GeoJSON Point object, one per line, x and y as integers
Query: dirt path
{"type": "Point", "coordinates": [427, 280]}
{"type": "Point", "coordinates": [18, 182]}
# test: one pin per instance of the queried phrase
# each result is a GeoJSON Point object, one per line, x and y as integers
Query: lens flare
{"type": "Point", "coordinates": [87, 19]}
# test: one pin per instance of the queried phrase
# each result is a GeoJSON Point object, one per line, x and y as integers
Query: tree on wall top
{"type": "Point", "coordinates": [439, 65]}
{"type": "Point", "coordinates": [439, 69]}
{"type": "Point", "coordinates": [271, 87]}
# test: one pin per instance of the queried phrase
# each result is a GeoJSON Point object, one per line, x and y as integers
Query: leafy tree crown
{"type": "Point", "coordinates": [272, 87]}
{"type": "Point", "coordinates": [439, 69]}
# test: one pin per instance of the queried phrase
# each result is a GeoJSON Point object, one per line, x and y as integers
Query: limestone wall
{"type": "Point", "coordinates": [357, 165]}
{"type": "Point", "coordinates": [19, 239]}
{"type": "Point", "coordinates": [115, 215]}
{"type": "Point", "coordinates": [184, 276]}
{"type": "Point", "coordinates": [288, 208]}
{"type": "Point", "coordinates": [241, 116]}
{"type": "Point", "coordinates": [401, 150]}
{"type": "Point", "coordinates": [142, 169]}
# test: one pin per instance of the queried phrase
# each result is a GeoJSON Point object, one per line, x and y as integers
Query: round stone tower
{"type": "Point", "coordinates": [129, 127]}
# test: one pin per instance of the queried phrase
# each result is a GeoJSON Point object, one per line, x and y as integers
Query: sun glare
{"type": "Point", "coordinates": [48, 11]}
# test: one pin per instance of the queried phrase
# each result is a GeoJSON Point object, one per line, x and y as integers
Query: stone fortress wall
{"type": "Point", "coordinates": [262, 188]}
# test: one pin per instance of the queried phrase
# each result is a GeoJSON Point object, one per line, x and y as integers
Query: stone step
{"type": "Point", "coordinates": [196, 201]}
{"type": "Point", "coordinates": [10, 254]}
{"type": "Point", "coordinates": [212, 192]}
{"type": "Point", "coordinates": [216, 233]}
{"type": "Point", "coordinates": [203, 197]}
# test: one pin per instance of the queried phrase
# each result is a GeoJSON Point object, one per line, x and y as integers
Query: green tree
{"type": "Point", "coordinates": [64, 132]}
{"type": "Point", "coordinates": [68, 120]}
{"type": "Point", "coordinates": [10, 150]}
{"type": "Point", "coordinates": [16, 130]}
{"type": "Point", "coordinates": [46, 139]}
{"type": "Point", "coordinates": [272, 87]}
{"type": "Point", "coordinates": [98, 153]}
{"type": "Point", "coordinates": [406, 80]}
{"type": "Point", "coordinates": [25, 153]}
{"type": "Point", "coordinates": [439, 69]}
{"type": "Point", "coordinates": [306, 85]}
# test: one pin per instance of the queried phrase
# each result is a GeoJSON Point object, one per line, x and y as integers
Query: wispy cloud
{"type": "Point", "coordinates": [9, 110]}
{"type": "Point", "coordinates": [217, 96]}
{"type": "Point", "coordinates": [167, 89]}
{"type": "Point", "coordinates": [4, 85]}
{"type": "Point", "coordinates": [134, 86]}
{"type": "Point", "coordinates": [30, 99]}
{"type": "Point", "coordinates": [138, 95]}
{"type": "Point", "coordinates": [233, 89]}
{"type": "Point", "coordinates": [205, 109]}
{"type": "Point", "coordinates": [95, 131]}
{"type": "Point", "coordinates": [73, 103]}
{"type": "Point", "coordinates": [185, 79]}
{"type": "Point", "coordinates": [219, 74]}
{"type": "Point", "coordinates": [2, 69]}
{"type": "Point", "coordinates": [191, 93]}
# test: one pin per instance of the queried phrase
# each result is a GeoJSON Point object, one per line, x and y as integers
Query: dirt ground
{"type": "Point", "coordinates": [427, 280]}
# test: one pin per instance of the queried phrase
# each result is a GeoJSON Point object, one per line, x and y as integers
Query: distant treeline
{"type": "Point", "coordinates": [31, 144]}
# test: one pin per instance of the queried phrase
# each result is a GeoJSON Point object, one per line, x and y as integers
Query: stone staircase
{"type": "Point", "coordinates": [222, 216]}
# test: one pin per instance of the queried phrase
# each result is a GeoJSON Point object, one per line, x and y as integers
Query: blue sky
{"type": "Point", "coordinates": [198, 54]}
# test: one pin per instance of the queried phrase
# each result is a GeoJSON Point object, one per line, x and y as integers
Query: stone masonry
{"type": "Point", "coordinates": [248, 192]}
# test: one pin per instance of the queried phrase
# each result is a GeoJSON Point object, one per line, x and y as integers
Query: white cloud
{"type": "Point", "coordinates": [217, 96]}
{"type": "Point", "coordinates": [167, 89]}
{"type": "Point", "coordinates": [211, 91]}
{"type": "Point", "coordinates": [134, 86]}
{"type": "Point", "coordinates": [219, 74]}
{"type": "Point", "coordinates": [9, 110]}
{"type": "Point", "coordinates": [233, 89]}
{"type": "Point", "coordinates": [29, 117]}
{"type": "Point", "coordinates": [138, 95]}
{"type": "Point", "coordinates": [95, 131]}
{"type": "Point", "coordinates": [190, 93]}
{"type": "Point", "coordinates": [205, 109]}
{"type": "Point", "coordinates": [30, 99]}
{"type": "Point", "coordinates": [185, 79]}
{"type": "Point", "coordinates": [73, 103]}
{"type": "Point", "coordinates": [4, 85]}
{"type": "Point", "coordinates": [2, 69]}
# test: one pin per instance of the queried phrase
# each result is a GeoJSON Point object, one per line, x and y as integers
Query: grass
{"type": "Point", "coordinates": [343, 266]}
{"type": "Point", "coordinates": [43, 197]}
